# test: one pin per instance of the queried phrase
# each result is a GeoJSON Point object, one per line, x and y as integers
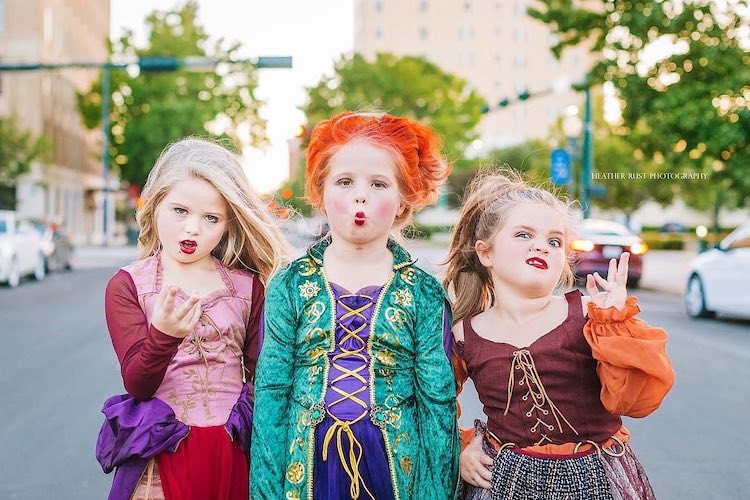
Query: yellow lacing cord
{"type": "Point", "coordinates": [525, 362]}
{"type": "Point", "coordinates": [149, 478]}
{"type": "Point", "coordinates": [350, 461]}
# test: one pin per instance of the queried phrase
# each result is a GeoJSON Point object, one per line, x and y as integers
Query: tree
{"type": "Point", "coordinates": [409, 86]}
{"type": "Point", "coordinates": [530, 158]}
{"type": "Point", "coordinates": [688, 106]}
{"type": "Point", "coordinates": [150, 110]}
{"type": "Point", "coordinates": [18, 150]}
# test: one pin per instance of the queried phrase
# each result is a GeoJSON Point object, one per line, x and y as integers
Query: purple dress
{"type": "Point", "coordinates": [350, 455]}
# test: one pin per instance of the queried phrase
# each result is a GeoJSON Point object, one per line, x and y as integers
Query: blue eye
{"type": "Point", "coordinates": [344, 182]}
{"type": "Point", "coordinates": [212, 219]}
{"type": "Point", "coordinates": [555, 242]}
{"type": "Point", "coordinates": [180, 211]}
{"type": "Point", "coordinates": [523, 234]}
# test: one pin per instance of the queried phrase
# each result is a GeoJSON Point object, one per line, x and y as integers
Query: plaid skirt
{"type": "Point", "coordinates": [596, 476]}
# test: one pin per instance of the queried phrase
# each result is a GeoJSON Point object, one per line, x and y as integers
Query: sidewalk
{"type": "Point", "coordinates": [663, 270]}
{"type": "Point", "coordinates": [98, 257]}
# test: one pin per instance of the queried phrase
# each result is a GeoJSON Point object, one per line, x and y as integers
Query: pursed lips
{"type": "Point", "coordinates": [359, 218]}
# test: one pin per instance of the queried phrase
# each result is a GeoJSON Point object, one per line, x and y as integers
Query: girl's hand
{"type": "Point", "coordinates": [614, 286]}
{"type": "Point", "coordinates": [475, 463]}
{"type": "Point", "coordinates": [175, 323]}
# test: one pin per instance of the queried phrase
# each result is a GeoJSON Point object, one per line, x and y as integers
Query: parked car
{"type": "Point", "coordinates": [20, 250]}
{"type": "Point", "coordinates": [718, 279]}
{"type": "Point", "coordinates": [673, 227]}
{"type": "Point", "coordinates": [56, 245]}
{"type": "Point", "coordinates": [598, 241]}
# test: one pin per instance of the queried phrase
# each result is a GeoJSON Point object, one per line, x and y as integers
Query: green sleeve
{"type": "Point", "coordinates": [272, 392]}
{"type": "Point", "coordinates": [437, 459]}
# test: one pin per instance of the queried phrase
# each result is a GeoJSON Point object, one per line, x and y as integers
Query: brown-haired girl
{"type": "Point", "coordinates": [355, 396]}
{"type": "Point", "coordinates": [184, 324]}
{"type": "Point", "coordinates": [554, 373]}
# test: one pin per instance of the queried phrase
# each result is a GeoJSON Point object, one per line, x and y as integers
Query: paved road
{"type": "Point", "coordinates": [57, 367]}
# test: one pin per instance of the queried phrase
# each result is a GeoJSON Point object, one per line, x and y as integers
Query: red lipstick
{"type": "Point", "coordinates": [188, 246]}
{"type": "Point", "coordinates": [537, 262]}
{"type": "Point", "coordinates": [359, 218]}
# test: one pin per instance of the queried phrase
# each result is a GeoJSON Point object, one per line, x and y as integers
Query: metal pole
{"type": "Point", "coordinates": [105, 152]}
{"type": "Point", "coordinates": [588, 155]}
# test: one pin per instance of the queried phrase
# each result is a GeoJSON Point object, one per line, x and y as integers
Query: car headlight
{"type": "Point", "coordinates": [582, 245]}
{"type": "Point", "coordinates": [638, 248]}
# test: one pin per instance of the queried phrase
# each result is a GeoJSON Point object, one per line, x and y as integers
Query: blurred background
{"type": "Point", "coordinates": [638, 109]}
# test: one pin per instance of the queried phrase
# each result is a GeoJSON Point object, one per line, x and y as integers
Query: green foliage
{"type": "Point", "coordinates": [688, 109]}
{"type": "Point", "coordinates": [152, 109]}
{"type": "Point", "coordinates": [409, 86]}
{"type": "Point", "coordinates": [18, 150]}
{"type": "Point", "coordinates": [531, 158]}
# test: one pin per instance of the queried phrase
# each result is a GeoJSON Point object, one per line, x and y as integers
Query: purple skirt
{"type": "Point", "coordinates": [330, 480]}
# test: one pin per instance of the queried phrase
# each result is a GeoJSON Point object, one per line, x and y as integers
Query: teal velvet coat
{"type": "Point", "coordinates": [412, 389]}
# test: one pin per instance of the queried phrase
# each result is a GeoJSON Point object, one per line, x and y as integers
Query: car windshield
{"type": "Point", "coordinates": [608, 229]}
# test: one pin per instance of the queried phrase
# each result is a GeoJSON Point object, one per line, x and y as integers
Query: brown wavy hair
{"type": "Point", "coordinates": [253, 240]}
{"type": "Point", "coordinates": [489, 197]}
{"type": "Point", "coordinates": [416, 150]}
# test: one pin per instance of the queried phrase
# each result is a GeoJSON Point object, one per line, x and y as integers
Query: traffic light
{"type": "Point", "coordinates": [523, 95]}
{"type": "Point", "coordinates": [503, 103]}
{"type": "Point", "coordinates": [485, 109]}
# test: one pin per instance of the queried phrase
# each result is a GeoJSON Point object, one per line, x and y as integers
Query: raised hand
{"type": "Point", "coordinates": [615, 291]}
{"type": "Point", "coordinates": [175, 322]}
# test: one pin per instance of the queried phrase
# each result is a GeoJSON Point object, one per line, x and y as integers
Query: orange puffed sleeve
{"type": "Point", "coordinates": [633, 366]}
{"type": "Point", "coordinates": [461, 374]}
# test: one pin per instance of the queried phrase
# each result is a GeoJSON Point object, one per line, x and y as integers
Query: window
{"type": "Point", "coordinates": [2, 16]}
{"type": "Point", "coordinates": [378, 5]}
{"type": "Point", "coordinates": [424, 6]}
{"type": "Point", "coordinates": [467, 6]}
{"type": "Point", "coordinates": [378, 32]}
{"type": "Point", "coordinates": [423, 32]}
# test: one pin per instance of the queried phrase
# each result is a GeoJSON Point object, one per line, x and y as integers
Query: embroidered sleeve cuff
{"type": "Point", "coordinates": [612, 314]}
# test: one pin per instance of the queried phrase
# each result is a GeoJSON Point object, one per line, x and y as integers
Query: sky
{"type": "Point", "coordinates": [314, 33]}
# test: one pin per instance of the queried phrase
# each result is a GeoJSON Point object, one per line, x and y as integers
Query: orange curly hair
{"type": "Point", "coordinates": [416, 150]}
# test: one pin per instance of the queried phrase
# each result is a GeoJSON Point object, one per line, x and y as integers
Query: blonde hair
{"type": "Point", "coordinates": [252, 241]}
{"type": "Point", "coordinates": [489, 198]}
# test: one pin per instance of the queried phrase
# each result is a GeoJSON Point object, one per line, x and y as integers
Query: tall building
{"type": "Point", "coordinates": [493, 44]}
{"type": "Point", "coordinates": [68, 186]}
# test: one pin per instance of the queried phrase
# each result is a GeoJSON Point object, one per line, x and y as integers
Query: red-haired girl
{"type": "Point", "coordinates": [355, 396]}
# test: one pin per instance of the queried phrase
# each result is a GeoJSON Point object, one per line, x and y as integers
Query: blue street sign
{"type": "Point", "coordinates": [559, 167]}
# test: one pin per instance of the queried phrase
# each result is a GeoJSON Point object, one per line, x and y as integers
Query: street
{"type": "Point", "coordinates": [57, 366]}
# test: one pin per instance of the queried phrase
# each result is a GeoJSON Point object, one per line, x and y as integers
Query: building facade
{"type": "Point", "coordinates": [493, 44]}
{"type": "Point", "coordinates": [67, 187]}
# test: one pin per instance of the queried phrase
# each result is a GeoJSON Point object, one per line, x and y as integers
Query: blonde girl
{"type": "Point", "coordinates": [184, 325]}
{"type": "Point", "coordinates": [554, 373]}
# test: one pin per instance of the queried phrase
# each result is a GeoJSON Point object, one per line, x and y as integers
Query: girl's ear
{"type": "Point", "coordinates": [483, 250]}
{"type": "Point", "coordinates": [401, 209]}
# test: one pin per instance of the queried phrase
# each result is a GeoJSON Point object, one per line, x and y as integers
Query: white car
{"type": "Point", "coordinates": [719, 280]}
{"type": "Point", "coordinates": [20, 250]}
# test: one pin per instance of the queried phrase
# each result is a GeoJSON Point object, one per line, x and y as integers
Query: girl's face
{"type": "Point", "coordinates": [191, 220]}
{"type": "Point", "coordinates": [361, 196]}
{"type": "Point", "coordinates": [528, 251]}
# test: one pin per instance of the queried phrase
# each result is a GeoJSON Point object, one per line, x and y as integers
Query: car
{"type": "Point", "coordinates": [56, 245]}
{"type": "Point", "coordinates": [597, 241]}
{"type": "Point", "coordinates": [20, 250]}
{"type": "Point", "coordinates": [718, 278]}
{"type": "Point", "coordinates": [673, 227]}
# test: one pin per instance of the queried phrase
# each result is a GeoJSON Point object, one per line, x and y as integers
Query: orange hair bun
{"type": "Point", "coordinates": [416, 149]}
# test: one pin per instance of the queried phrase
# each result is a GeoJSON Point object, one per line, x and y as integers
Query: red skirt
{"type": "Point", "coordinates": [206, 466]}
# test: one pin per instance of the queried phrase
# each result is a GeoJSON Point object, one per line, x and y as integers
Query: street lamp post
{"type": "Point", "coordinates": [572, 127]}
